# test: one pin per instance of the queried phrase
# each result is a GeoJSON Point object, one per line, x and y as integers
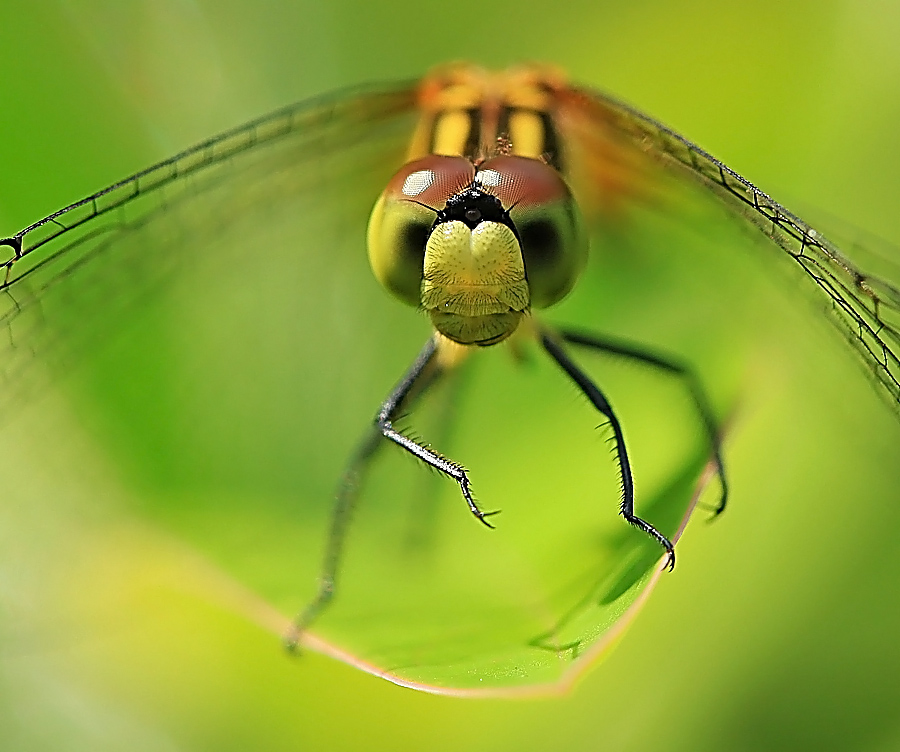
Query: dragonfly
{"type": "Point", "coordinates": [481, 226]}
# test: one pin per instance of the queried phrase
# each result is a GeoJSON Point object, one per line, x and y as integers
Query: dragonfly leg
{"type": "Point", "coordinates": [599, 401]}
{"type": "Point", "coordinates": [385, 423]}
{"type": "Point", "coordinates": [673, 365]}
{"type": "Point", "coordinates": [421, 375]}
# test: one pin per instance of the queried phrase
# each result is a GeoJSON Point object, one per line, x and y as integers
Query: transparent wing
{"type": "Point", "coordinates": [865, 308]}
{"type": "Point", "coordinates": [76, 271]}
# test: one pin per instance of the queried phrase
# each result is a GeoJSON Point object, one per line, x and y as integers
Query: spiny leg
{"type": "Point", "coordinates": [421, 375]}
{"type": "Point", "coordinates": [673, 365]}
{"type": "Point", "coordinates": [422, 521]}
{"type": "Point", "coordinates": [385, 422]}
{"type": "Point", "coordinates": [598, 400]}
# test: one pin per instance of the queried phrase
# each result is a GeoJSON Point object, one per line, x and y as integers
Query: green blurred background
{"type": "Point", "coordinates": [779, 627]}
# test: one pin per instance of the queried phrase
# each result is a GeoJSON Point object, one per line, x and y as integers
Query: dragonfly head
{"type": "Point", "coordinates": [477, 246]}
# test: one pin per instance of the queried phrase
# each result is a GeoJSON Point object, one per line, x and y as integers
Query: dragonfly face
{"type": "Point", "coordinates": [477, 246]}
{"type": "Point", "coordinates": [484, 227]}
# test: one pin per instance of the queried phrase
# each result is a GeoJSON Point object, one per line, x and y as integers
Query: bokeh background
{"type": "Point", "coordinates": [778, 629]}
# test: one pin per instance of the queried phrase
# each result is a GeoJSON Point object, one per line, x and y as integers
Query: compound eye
{"type": "Point", "coordinates": [431, 180]}
{"type": "Point", "coordinates": [521, 181]}
{"type": "Point", "coordinates": [547, 221]}
{"type": "Point", "coordinates": [404, 215]}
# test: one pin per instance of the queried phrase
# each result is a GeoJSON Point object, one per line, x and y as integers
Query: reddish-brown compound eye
{"type": "Point", "coordinates": [431, 180]}
{"type": "Point", "coordinates": [522, 181]}
{"type": "Point", "coordinates": [403, 216]}
{"type": "Point", "coordinates": [547, 220]}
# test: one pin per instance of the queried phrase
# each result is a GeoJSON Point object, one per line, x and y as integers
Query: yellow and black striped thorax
{"type": "Point", "coordinates": [477, 114]}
